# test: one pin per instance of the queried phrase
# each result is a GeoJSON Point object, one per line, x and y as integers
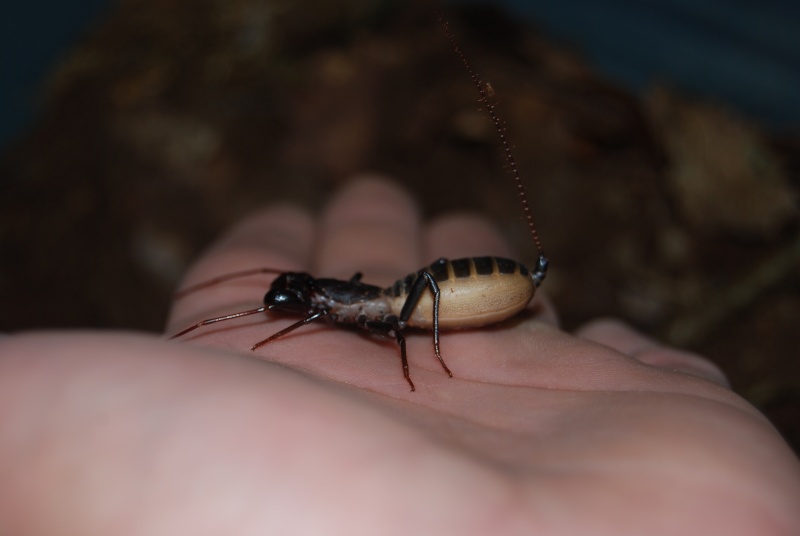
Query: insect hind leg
{"type": "Point", "coordinates": [425, 280]}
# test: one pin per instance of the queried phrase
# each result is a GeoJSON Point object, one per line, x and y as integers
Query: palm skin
{"type": "Point", "coordinates": [538, 431]}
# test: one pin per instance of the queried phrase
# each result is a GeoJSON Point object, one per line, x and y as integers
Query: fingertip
{"type": "Point", "coordinates": [618, 335]}
{"type": "Point", "coordinates": [610, 332]}
{"type": "Point", "coordinates": [465, 235]}
{"type": "Point", "coordinates": [279, 237]}
{"type": "Point", "coordinates": [282, 229]}
{"type": "Point", "coordinates": [370, 197]}
{"type": "Point", "coordinates": [370, 226]}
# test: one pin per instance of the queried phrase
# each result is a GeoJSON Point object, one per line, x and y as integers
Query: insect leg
{"type": "Point", "coordinates": [281, 333]}
{"type": "Point", "coordinates": [389, 329]}
{"type": "Point", "coordinates": [219, 319]}
{"type": "Point", "coordinates": [424, 279]}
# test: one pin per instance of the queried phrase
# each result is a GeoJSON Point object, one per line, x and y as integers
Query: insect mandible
{"type": "Point", "coordinates": [481, 290]}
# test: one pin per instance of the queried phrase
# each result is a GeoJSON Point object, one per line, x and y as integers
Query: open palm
{"type": "Point", "coordinates": [538, 431]}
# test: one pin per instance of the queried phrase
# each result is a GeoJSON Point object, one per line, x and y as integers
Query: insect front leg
{"type": "Point", "coordinates": [208, 321]}
{"type": "Point", "coordinates": [425, 280]}
{"type": "Point", "coordinates": [300, 323]}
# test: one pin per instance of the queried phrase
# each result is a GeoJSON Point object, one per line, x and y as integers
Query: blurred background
{"type": "Point", "coordinates": [659, 141]}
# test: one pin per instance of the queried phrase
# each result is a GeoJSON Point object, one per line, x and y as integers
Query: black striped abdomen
{"type": "Point", "coordinates": [475, 291]}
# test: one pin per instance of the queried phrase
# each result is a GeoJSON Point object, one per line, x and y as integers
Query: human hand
{"type": "Point", "coordinates": [538, 431]}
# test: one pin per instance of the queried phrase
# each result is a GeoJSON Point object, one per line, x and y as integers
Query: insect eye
{"type": "Point", "coordinates": [286, 300]}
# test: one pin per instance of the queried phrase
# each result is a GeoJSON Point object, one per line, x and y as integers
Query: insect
{"type": "Point", "coordinates": [480, 290]}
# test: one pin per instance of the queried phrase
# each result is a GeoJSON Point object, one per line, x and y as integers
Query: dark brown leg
{"type": "Point", "coordinates": [281, 333]}
{"type": "Point", "coordinates": [423, 280]}
{"type": "Point", "coordinates": [390, 329]}
{"type": "Point", "coordinates": [219, 319]}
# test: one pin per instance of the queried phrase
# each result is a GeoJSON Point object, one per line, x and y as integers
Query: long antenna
{"type": "Point", "coordinates": [485, 90]}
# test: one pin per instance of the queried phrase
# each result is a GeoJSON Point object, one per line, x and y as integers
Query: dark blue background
{"type": "Point", "coordinates": [34, 35]}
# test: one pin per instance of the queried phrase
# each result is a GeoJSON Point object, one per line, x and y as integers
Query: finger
{"type": "Point", "coordinates": [464, 235]}
{"type": "Point", "coordinates": [621, 337]}
{"type": "Point", "coordinates": [279, 238]}
{"type": "Point", "coordinates": [469, 235]}
{"type": "Point", "coordinates": [372, 226]}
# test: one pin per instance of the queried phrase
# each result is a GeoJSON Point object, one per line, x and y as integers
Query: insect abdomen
{"type": "Point", "coordinates": [474, 292]}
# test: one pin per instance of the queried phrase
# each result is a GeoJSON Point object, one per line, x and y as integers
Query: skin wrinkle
{"type": "Point", "coordinates": [651, 352]}
{"type": "Point", "coordinates": [440, 435]}
{"type": "Point", "coordinates": [578, 406]}
{"type": "Point", "coordinates": [501, 461]}
{"type": "Point", "coordinates": [612, 354]}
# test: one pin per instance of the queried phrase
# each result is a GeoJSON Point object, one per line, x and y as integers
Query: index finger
{"type": "Point", "coordinates": [279, 237]}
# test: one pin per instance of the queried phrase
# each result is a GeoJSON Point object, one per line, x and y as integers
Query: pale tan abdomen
{"type": "Point", "coordinates": [474, 292]}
